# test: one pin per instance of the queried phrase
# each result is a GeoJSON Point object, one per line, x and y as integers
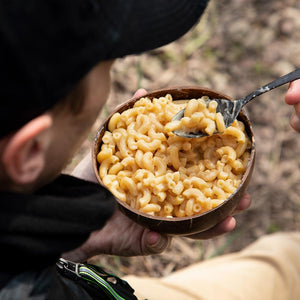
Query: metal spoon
{"type": "Point", "coordinates": [231, 109]}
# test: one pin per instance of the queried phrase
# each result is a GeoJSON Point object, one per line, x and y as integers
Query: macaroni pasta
{"type": "Point", "coordinates": [145, 165]}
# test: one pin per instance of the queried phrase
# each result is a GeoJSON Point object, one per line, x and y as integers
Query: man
{"type": "Point", "coordinates": [55, 61]}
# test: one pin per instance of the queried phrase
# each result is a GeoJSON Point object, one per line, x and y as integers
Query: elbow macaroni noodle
{"type": "Point", "coordinates": [143, 163]}
{"type": "Point", "coordinates": [198, 117]}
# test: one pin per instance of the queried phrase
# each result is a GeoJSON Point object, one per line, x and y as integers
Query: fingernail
{"type": "Point", "coordinates": [230, 224]}
{"type": "Point", "coordinates": [157, 242]}
{"type": "Point", "coordinates": [153, 238]}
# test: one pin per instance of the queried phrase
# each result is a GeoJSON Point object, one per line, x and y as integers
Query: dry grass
{"type": "Point", "coordinates": [238, 46]}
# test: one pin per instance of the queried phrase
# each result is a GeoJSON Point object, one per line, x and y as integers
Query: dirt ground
{"type": "Point", "coordinates": [238, 46]}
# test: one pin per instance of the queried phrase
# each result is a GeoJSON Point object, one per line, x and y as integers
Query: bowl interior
{"type": "Point", "coordinates": [181, 225]}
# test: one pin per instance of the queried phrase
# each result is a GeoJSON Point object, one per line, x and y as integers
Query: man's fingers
{"type": "Point", "coordinates": [243, 204]}
{"type": "Point", "coordinates": [155, 243]}
{"type": "Point", "coordinates": [295, 122]}
{"type": "Point", "coordinates": [139, 93]}
{"type": "Point", "coordinates": [292, 96]}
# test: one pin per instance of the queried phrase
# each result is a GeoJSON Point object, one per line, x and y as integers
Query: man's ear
{"type": "Point", "coordinates": [24, 154]}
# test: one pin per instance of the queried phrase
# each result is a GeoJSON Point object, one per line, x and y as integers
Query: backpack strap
{"type": "Point", "coordinates": [93, 276]}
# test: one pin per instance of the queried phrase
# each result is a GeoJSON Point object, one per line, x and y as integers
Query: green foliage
{"type": "Point", "coordinates": [227, 242]}
{"type": "Point", "coordinates": [273, 227]}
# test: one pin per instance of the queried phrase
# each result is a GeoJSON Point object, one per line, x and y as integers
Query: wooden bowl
{"type": "Point", "coordinates": [199, 222]}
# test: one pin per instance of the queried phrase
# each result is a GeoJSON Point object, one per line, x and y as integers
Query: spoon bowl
{"type": "Point", "coordinates": [231, 109]}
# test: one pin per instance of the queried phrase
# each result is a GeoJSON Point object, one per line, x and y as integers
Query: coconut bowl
{"type": "Point", "coordinates": [199, 222]}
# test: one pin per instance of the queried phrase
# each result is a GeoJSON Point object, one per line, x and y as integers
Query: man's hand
{"type": "Point", "coordinates": [122, 236]}
{"type": "Point", "coordinates": [292, 97]}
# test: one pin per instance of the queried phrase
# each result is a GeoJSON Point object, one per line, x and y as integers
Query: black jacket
{"type": "Point", "coordinates": [36, 229]}
{"type": "Point", "coordinates": [45, 284]}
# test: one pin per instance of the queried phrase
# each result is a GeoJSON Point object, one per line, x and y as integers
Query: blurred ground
{"type": "Point", "coordinates": [238, 46]}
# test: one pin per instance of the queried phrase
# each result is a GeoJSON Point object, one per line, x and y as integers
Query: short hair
{"type": "Point", "coordinates": [74, 101]}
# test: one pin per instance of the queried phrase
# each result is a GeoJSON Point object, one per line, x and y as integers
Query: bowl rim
{"type": "Point", "coordinates": [152, 94]}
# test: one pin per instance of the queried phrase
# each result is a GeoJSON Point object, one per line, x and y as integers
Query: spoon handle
{"type": "Point", "coordinates": [272, 85]}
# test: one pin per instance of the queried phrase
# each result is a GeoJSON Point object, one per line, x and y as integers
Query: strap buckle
{"type": "Point", "coordinates": [69, 266]}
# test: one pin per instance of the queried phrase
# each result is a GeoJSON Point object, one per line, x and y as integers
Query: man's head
{"type": "Point", "coordinates": [36, 153]}
{"type": "Point", "coordinates": [54, 50]}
